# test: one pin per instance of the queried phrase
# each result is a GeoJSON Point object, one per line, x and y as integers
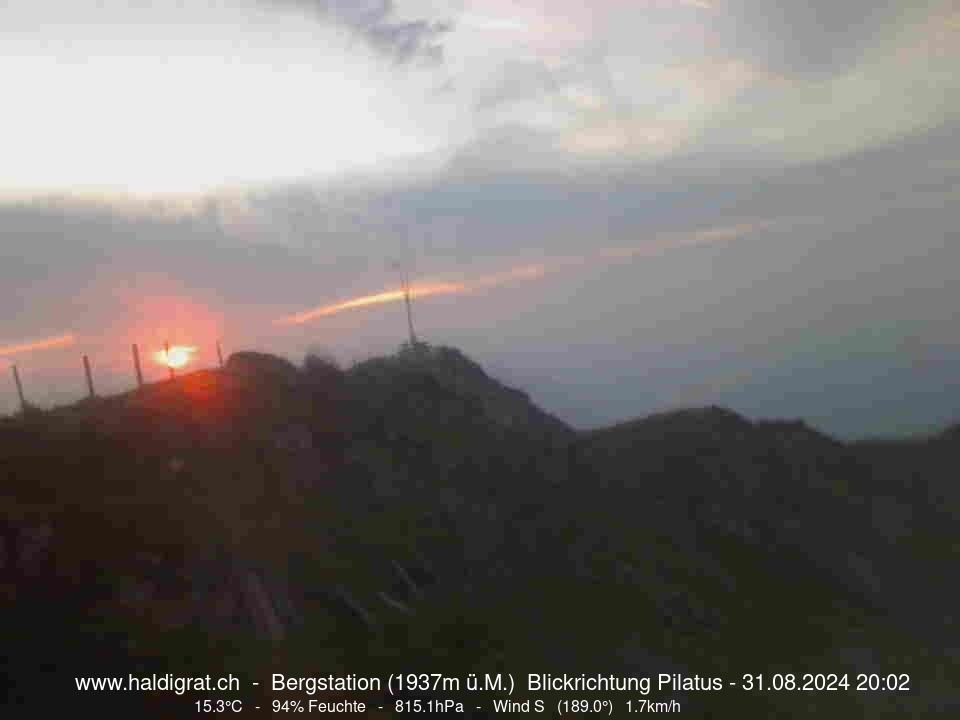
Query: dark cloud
{"type": "Point", "coordinates": [374, 21]}
{"type": "Point", "coordinates": [809, 37]}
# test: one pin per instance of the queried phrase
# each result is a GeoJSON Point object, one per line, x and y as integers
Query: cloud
{"type": "Point", "coordinates": [807, 38]}
{"type": "Point", "coordinates": [34, 345]}
{"type": "Point", "coordinates": [519, 80]}
{"type": "Point", "coordinates": [787, 300]}
{"type": "Point", "coordinates": [638, 81]}
{"type": "Point", "coordinates": [200, 97]}
{"type": "Point", "coordinates": [527, 271]}
{"type": "Point", "coordinates": [375, 21]}
{"type": "Point", "coordinates": [937, 36]}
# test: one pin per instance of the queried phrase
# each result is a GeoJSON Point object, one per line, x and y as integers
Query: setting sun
{"type": "Point", "coordinates": [176, 357]}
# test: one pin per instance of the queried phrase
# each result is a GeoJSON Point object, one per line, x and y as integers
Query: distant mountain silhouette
{"type": "Point", "coordinates": [412, 513]}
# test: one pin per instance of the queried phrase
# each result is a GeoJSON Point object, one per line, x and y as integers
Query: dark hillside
{"type": "Point", "coordinates": [412, 513]}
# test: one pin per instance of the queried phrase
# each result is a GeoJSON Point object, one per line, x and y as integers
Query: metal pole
{"type": "Point", "coordinates": [16, 379]}
{"type": "Point", "coordinates": [219, 354]}
{"type": "Point", "coordinates": [405, 286]}
{"type": "Point", "coordinates": [89, 374]}
{"type": "Point", "coordinates": [406, 299]}
{"type": "Point", "coordinates": [166, 356]}
{"type": "Point", "coordinates": [136, 365]}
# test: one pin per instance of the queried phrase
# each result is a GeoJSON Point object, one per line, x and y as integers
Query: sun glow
{"type": "Point", "coordinates": [178, 356]}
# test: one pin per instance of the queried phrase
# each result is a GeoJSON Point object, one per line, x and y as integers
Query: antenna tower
{"type": "Point", "coordinates": [408, 301]}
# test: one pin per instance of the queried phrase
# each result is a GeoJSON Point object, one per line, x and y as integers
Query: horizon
{"type": "Point", "coordinates": [183, 365]}
{"type": "Point", "coordinates": [620, 208]}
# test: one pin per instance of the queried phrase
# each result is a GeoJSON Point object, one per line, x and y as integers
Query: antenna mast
{"type": "Point", "coordinates": [408, 301]}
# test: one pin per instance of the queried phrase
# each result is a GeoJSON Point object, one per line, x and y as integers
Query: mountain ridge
{"type": "Point", "coordinates": [413, 508]}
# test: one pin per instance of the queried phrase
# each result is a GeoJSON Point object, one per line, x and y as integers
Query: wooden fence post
{"type": "Point", "coordinates": [89, 374]}
{"type": "Point", "coordinates": [16, 379]}
{"type": "Point", "coordinates": [136, 365]}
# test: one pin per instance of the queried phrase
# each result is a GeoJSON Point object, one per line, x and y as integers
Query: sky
{"type": "Point", "coordinates": [621, 206]}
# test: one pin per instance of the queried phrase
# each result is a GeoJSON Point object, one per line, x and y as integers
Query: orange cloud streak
{"type": "Point", "coordinates": [45, 344]}
{"type": "Point", "coordinates": [534, 271]}
{"type": "Point", "coordinates": [388, 296]}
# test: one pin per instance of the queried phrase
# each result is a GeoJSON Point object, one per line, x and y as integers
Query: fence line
{"type": "Point", "coordinates": [89, 377]}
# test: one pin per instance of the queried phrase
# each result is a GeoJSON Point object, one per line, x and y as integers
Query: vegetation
{"type": "Point", "coordinates": [411, 513]}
